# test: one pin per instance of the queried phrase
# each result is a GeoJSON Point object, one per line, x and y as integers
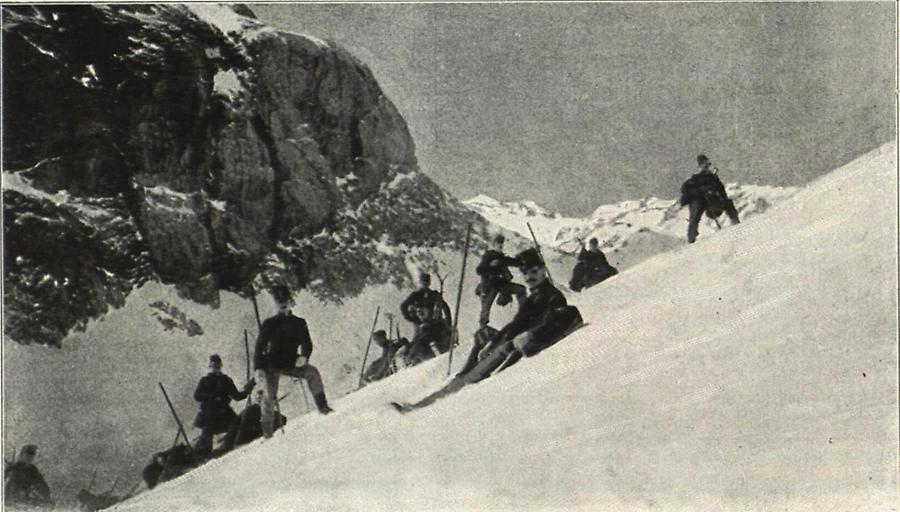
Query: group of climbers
{"type": "Point", "coordinates": [284, 346]}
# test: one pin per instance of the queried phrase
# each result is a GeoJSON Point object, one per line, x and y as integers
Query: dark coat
{"type": "Point", "coordinates": [494, 268]}
{"type": "Point", "coordinates": [279, 338]}
{"type": "Point", "coordinates": [703, 186]}
{"type": "Point", "coordinates": [214, 392]}
{"type": "Point", "coordinates": [541, 300]}
{"type": "Point", "coordinates": [428, 298]}
{"type": "Point", "coordinates": [24, 483]}
{"type": "Point", "coordinates": [592, 268]}
{"type": "Point", "coordinates": [251, 424]}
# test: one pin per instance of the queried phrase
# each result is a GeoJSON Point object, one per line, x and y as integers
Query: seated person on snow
{"type": "Point", "coordinates": [432, 338]}
{"type": "Point", "coordinates": [496, 280]}
{"type": "Point", "coordinates": [592, 267]}
{"type": "Point", "coordinates": [543, 317]}
{"type": "Point", "coordinates": [384, 365]}
{"type": "Point", "coordinates": [424, 296]}
{"type": "Point", "coordinates": [251, 420]}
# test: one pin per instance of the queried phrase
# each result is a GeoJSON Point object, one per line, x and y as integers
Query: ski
{"type": "Point", "coordinates": [460, 381]}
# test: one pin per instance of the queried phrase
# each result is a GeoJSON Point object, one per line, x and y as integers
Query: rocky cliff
{"type": "Point", "coordinates": [194, 145]}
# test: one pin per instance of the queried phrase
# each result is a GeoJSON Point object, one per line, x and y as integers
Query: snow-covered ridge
{"type": "Point", "coordinates": [619, 224]}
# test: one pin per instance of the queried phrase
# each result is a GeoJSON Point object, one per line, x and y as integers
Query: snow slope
{"type": "Point", "coordinates": [629, 231]}
{"type": "Point", "coordinates": [754, 370]}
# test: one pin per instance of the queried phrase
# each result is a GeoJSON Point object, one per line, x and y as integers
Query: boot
{"type": "Point", "coordinates": [322, 404]}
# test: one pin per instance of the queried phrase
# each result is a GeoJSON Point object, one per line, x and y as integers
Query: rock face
{"type": "Point", "coordinates": [196, 146]}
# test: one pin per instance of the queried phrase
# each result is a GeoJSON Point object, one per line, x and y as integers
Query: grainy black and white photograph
{"type": "Point", "coordinates": [450, 256]}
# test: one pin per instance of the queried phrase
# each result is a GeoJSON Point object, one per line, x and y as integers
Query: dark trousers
{"type": "Point", "coordinates": [489, 292]}
{"type": "Point", "coordinates": [697, 208]}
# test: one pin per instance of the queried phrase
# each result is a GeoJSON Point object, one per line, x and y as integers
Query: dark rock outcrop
{"type": "Point", "coordinates": [195, 146]}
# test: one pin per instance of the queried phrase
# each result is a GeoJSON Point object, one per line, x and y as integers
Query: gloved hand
{"type": "Point", "coordinates": [301, 361]}
{"type": "Point", "coordinates": [249, 385]}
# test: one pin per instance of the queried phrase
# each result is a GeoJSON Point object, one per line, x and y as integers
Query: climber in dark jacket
{"type": "Point", "coordinates": [23, 483]}
{"type": "Point", "coordinates": [704, 192]}
{"type": "Point", "coordinates": [215, 392]}
{"type": "Point", "coordinates": [534, 310]}
{"type": "Point", "coordinates": [280, 336]}
{"type": "Point", "coordinates": [592, 267]}
{"type": "Point", "coordinates": [496, 280]}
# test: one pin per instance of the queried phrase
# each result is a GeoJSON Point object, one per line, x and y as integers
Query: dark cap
{"type": "Point", "coordinates": [215, 359]}
{"type": "Point", "coordinates": [499, 239]}
{"type": "Point", "coordinates": [701, 159]}
{"type": "Point", "coordinates": [529, 258]}
{"type": "Point", "coordinates": [282, 294]}
{"type": "Point", "coordinates": [29, 449]}
{"type": "Point", "coordinates": [379, 333]}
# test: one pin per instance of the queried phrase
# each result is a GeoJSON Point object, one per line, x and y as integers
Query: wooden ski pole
{"type": "Point", "coordinates": [175, 415]}
{"type": "Point", "coordinates": [249, 395]}
{"type": "Point", "coordinates": [368, 346]}
{"type": "Point", "coordinates": [462, 275]}
{"type": "Point", "coordinates": [537, 246]}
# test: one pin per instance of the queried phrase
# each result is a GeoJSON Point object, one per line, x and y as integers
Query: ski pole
{"type": "Point", "coordinates": [174, 414]}
{"type": "Point", "coordinates": [369, 345]}
{"type": "Point", "coordinates": [462, 275]}
{"type": "Point", "coordinates": [249, 395]}
{"type": "Point", "coordinates": [538, 247]}
{"type": "Point", "coordinates": [255, 305]}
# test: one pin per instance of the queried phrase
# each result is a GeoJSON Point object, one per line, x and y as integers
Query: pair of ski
{"type": "Point", "coordinates": [501, 358]}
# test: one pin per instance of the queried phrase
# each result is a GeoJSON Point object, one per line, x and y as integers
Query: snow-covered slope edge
{"type": "Point", "coordinates": [767, 379]}
{"type": "Point", "coordinates": [629, 231]}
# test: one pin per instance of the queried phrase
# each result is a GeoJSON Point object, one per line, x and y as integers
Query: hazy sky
{"type": "Point", "coordinates": [577, 105]}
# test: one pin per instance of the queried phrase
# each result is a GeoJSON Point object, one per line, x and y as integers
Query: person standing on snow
{"type": "Point", "coordinates": [704, 192]}
{"type": "Point", "coordinates": [276, 354]}
{"type": "Point", "coordinates": [23, 483]}
{"type": "Point", "coordinates": [215, 392]}
{"type": "Point", "coordinates": [496, 280]}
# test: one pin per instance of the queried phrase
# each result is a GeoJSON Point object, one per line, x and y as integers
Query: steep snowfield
{"type": "Point", "coordinates": [753, 370]}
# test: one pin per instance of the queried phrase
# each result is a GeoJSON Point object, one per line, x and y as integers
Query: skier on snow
{"type": "Point", "coordinates": [496, 280]}
{"type": "Point", "coordinates": [23, 483]}
{"type": "Point", "coordinates": [592, 267]}
{"type": "Point", "coordinates": [704, 192]}
{"type": "Point", "coordinates": [276, 354]}
{"type": "Point", "coordinates": [215, 392]}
